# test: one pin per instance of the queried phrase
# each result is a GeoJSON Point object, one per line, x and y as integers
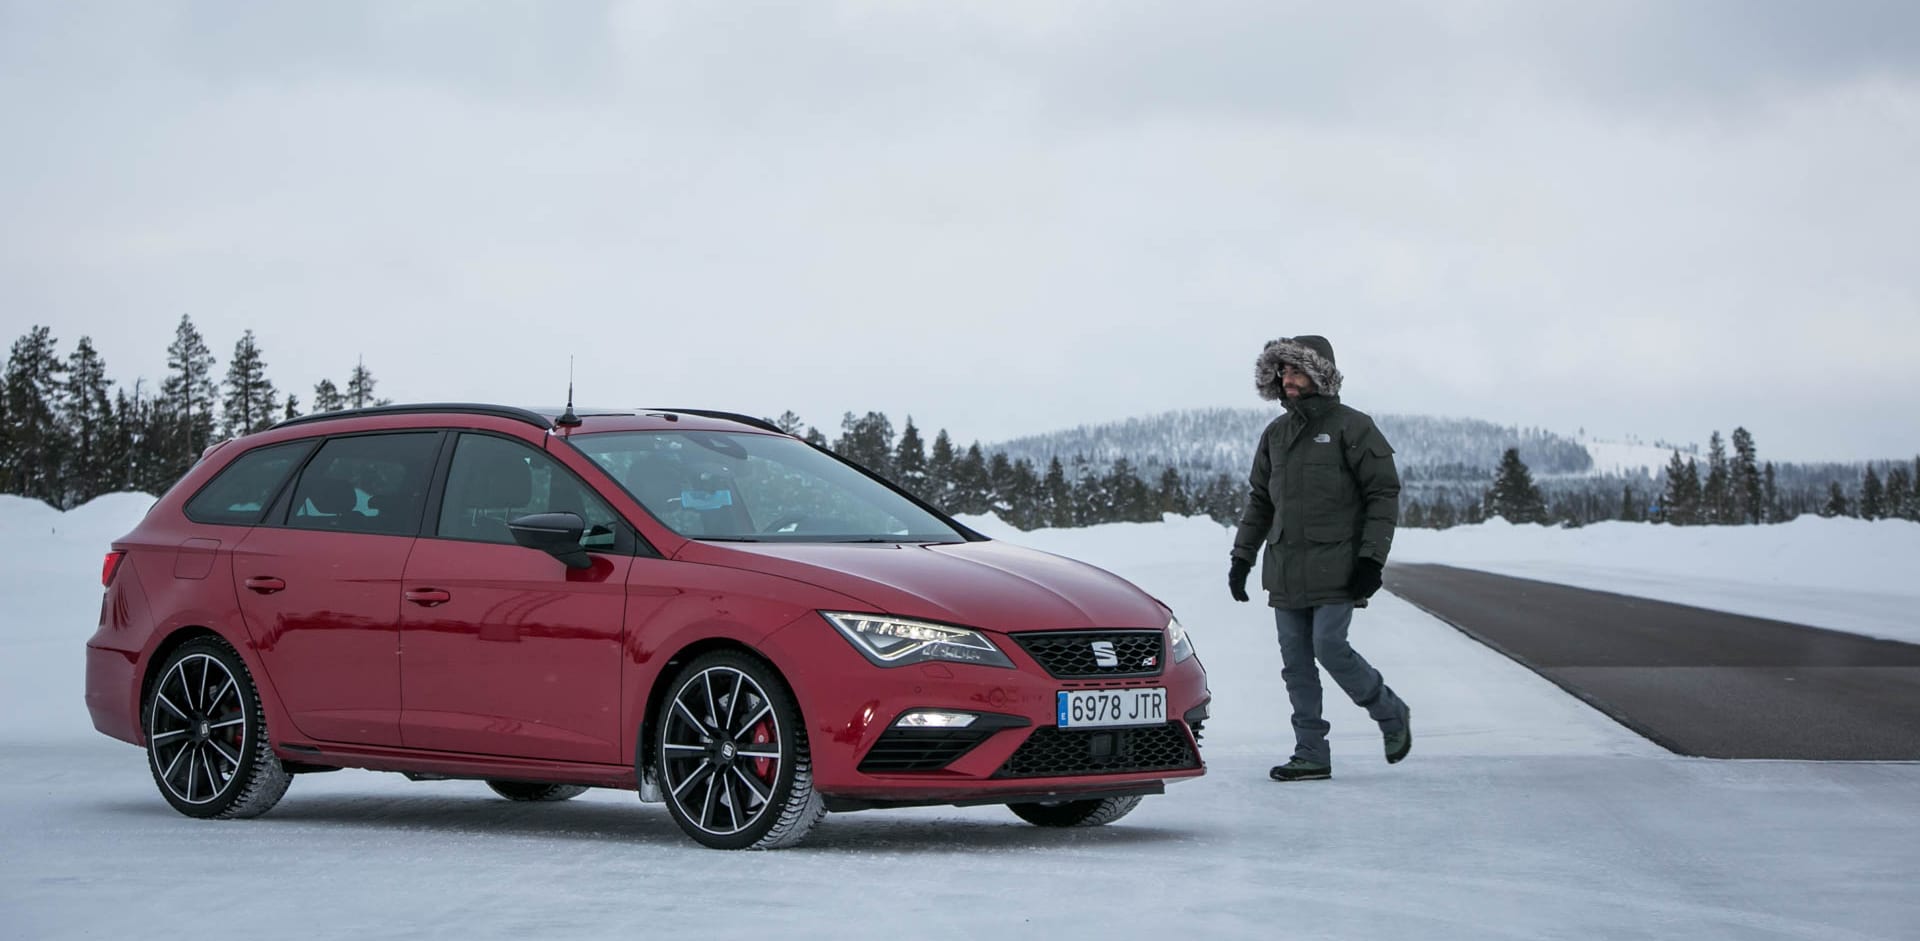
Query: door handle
{"type": "Point", "coordinates": [427, 597]}
{"type": "Point", "coordinates": [265, 584]}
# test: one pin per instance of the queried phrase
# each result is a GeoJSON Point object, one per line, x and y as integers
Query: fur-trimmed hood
{"type": "Point", "coordinates": [1310, 354]}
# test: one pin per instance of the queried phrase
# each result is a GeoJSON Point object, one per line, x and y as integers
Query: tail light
{"type": "Point", "coordinates": [111, 565]}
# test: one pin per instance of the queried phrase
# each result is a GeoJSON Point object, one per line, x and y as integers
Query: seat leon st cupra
{"type": "Point", "coordinates": [685, 603]}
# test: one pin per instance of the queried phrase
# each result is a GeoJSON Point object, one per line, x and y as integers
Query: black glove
{"type": "Point", "coordinates": [1365, 580]}
{"type": "Point", "coordinates": [1237, 578]}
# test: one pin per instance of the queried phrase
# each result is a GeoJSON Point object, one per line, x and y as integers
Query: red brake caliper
{"type": "Point", "coordinates": [762, 734]}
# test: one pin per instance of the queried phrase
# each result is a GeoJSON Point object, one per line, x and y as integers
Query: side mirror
{"type": "Point", "coordinates": [556, 534]}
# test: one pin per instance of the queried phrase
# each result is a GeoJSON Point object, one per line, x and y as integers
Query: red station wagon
{"type": "Point", "coordinates": [686, 603]}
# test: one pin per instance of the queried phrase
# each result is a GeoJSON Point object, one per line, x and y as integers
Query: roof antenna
{"type": "Point", "coordinates": [568, 419]}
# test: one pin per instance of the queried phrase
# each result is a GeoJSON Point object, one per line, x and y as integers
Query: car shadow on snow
{"type": "Point", "coordinates": [603, 821]}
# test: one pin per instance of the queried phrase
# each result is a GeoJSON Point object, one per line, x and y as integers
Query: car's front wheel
{"type": "Point", "coordinates": [1086, 813]}
{"type": "Point", "coordinates": [207, 735]}
{"type": "Point", "coordinates": [540, 793]}
{"type": "Point", "coordinates": [732, 755]}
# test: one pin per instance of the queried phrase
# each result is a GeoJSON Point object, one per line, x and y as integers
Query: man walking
{"type": "Point", "coordinates": [1324, 497]}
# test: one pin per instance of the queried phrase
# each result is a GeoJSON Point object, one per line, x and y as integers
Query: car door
{"type": "Point", "coordinates": [319, 583]}
{"type": "Point", "coordinates": [505, 650]}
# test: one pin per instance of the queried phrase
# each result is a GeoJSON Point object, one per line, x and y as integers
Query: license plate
{"type": "Point", "coordinates": [1105, 708]}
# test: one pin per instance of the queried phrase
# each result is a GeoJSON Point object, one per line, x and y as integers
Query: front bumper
{"type": "Point", "coordinates": [1014, 752]}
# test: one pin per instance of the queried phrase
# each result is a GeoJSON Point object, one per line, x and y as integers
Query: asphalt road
{"type": "Point", "coordinates": [1695, 681]}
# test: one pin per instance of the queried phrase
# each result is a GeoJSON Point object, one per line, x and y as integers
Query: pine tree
{"type": "Point", "coordinates": [1717, 495]}
{"type": "Point", "coordinates": [972, 489]}
{"type": "Point", "coordinates": [327, 397]}
{"type": "Point", "coordinates": [1872, 506]}
{"type": "Point", "coordinates": [1629, 505]}
{"type": "Point", "coordinates": [360, 388]}
{"type": "Point", "coordinates": [184, 410]}
{"type": "Point", "coordinates": [910, 462]}
{"type": "Point", "coordinates": [816, 438]}
{"type": "Point", "coordinates": [1748, 493]}
{"type": "Point", "coordinates": [292, 410]}
{"type": "Point", "coordinates": [1172, 495]}
{"type": "Point", "coordinates": [868, 442]}
{"type": "Point", "coordinates": [251, 403]}
{"type": "Point", "coordinates": [86, 412]}
{"type": "Point", "coordinates": [1413, 515]}
{"type": "Point", "coordinates": [1000, 483]}
{"type": "Point", "coordinates": [1514, 496]}
{"type": "Point", "coordinates": [789, 423]}
{"type": "Point", "coordinates": [1057, 495]}
{"type": "Point", "coordinates": [1022, 496]}
{"type": "Point", "coordinates": [1680, 504]}
{"type": "Point", "coordinates": [940, 484]}
{"type": "Point", "coordinates": [1837, 504]}
{"type": "Point", "coordinates": [1132, 501]}
{"type": "Point", "coordinates": [1775, 512]}
{"type": "Point", "coordinates": [35, 445]}
{"type": "Point", "coordinates": [1899, 492]}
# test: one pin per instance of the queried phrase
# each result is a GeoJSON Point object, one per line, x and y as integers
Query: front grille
{"type": "Point", "coordinates": [920, 749]}
{"type": "Point", "coordinates": [1051, 752]}
{"type": "Point", "coordinates": [1074, 656]}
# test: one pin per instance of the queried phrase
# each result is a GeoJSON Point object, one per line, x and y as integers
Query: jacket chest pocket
{"type": "Point", "coordinates": [1328, 511]}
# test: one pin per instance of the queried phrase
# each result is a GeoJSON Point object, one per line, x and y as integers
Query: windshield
{"type": "Point", "coordinates": [753, 488]}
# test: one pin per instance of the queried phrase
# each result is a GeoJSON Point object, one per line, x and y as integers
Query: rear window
{"type": "Point", "coordinates": [373, 483]}
{"type": "Point", "coordinates": [239, 494]}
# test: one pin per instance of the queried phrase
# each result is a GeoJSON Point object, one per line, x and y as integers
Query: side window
{"type": "Point", "coordinates": [240, 492]}
{"type": "Point", "coordinates": [493, 480]}
{"type": "Point", "coordinates": [366, 484]}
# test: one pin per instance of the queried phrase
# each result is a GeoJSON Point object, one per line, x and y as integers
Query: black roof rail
{"type": "Point", "coordinates": [760, 423]}
{"type": "Point", "coordinates": [464, 408]}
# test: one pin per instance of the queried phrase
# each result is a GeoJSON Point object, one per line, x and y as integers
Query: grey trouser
{"type": "Point", "coordinates": [1320, 633]}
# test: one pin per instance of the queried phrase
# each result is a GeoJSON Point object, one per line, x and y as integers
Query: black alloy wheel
{"type": "Point", "coordinates": [1086, 813]}
{"type": "Point", "coordinates": [732, 755]}
{"type": "Point", "coordinates": [207, 735]}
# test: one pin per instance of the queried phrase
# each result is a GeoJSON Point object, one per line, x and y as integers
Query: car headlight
{"type": "Point", "coordinates": [1177, 640]}
{"type": "Point", "coordinates": [891, 642]}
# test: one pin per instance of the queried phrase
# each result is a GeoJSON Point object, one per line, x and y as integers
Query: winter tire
{"type": "Point", "coordinates": [732, 755]}
{"type": "Point", "coordinates": [207, 735]}
{"type": "Point", "coordinates": [1087, 813]}
{"type": "Point", "coordinates": [538, 793]}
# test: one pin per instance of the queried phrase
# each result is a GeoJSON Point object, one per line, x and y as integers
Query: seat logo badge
{"type": "Point", "coordinates": [1103, 655]}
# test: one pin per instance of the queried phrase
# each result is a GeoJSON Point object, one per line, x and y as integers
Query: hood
{"type": "Point", "coordinates": [1310, 354]}
{"type": "Point", "coordinates": [990, 585]}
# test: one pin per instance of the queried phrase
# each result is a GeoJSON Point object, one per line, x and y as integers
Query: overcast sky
{"type": "Point", "coordinates": [1655, 219]}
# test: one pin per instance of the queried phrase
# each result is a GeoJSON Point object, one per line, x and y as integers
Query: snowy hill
{"type": "Point", "coordinates": [1204, 442]}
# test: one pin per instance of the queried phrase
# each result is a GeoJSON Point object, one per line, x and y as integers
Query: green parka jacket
{"type": "Point", "coordinates": [1323, 493]}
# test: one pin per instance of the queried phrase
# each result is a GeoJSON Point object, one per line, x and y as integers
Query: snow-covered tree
{"type": "Point", "coordinates": [1748, 493]}
{"type": "Point", "coordinates": [910, 462]}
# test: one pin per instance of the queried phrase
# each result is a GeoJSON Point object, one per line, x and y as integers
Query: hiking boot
{"type": "Point", "coordinates": [1401, 742]}
{"type": "Point", "coordinates": [1300, 769]}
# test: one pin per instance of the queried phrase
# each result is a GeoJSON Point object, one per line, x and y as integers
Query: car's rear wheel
{"type": "Point", "coordinates": [732, 755]}
{"type": "Point", "coordinates": [1086, 813]}
{"type": "Point", "coordinates": [207, 735]}
{"type": "Point", "coordinates": [528, 791]}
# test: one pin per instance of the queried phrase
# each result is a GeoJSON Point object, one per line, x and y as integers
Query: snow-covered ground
{"type": "Point", "coordinates": [1616, 457]}
{"type": "Point", "coordinates": [1844, 574]}
{"type": "Point", "coordinates": [1522, 813]}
